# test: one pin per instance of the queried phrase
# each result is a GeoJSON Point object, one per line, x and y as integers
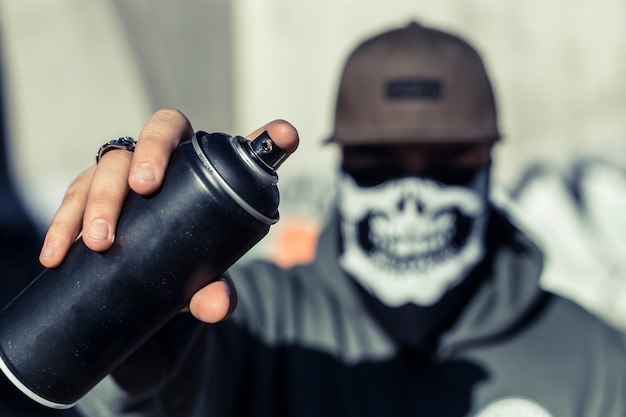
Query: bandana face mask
{"type": "Point", "coordinates": [412, 239]}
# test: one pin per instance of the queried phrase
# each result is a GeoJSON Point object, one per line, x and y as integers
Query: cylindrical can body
{"type": "Point", "coordinates": [74, 324]}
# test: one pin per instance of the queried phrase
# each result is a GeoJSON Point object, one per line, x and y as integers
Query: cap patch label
{"type": "Point", "coordinates": [413, 89]}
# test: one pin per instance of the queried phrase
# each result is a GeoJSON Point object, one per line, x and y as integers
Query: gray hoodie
{"type": "Point", "coordinates": [302, 343]}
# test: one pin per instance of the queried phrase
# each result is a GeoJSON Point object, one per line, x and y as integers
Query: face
{"type": "Point", "coordinates": [449, 162]}
{"type": "Point", "coordinates": [413, 218]}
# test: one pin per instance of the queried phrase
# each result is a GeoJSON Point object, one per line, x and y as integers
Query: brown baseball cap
{"type": "Point", "coordinates": [414, 85]}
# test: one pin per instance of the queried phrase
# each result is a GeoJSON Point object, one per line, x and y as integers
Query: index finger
{"type": "Point", "coordinates": [161, 134]}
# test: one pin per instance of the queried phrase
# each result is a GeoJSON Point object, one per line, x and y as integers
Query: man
{"type": "Point", "coordinates": [423, 299]}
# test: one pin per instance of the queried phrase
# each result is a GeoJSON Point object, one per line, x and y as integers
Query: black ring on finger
{"type": "Point", "coordinates": [125, 143]}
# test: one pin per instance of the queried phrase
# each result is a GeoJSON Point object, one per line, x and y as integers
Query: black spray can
{"type": "Point", "coordinates": [75, 323]}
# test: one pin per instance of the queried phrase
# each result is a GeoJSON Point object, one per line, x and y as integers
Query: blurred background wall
{"type": "Point", "coordinates": [80, 72]}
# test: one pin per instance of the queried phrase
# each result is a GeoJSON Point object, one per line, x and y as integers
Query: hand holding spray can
{"type": "Point", "coordinates": [75, 323]}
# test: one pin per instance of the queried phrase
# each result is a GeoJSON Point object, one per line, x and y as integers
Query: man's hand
{"type": "Point", "coordinates": [92, 203]}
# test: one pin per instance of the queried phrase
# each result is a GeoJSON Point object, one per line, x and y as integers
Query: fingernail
{"type": "Point", "coordinates": [49, 250]}
{"type": "Point", "coordinates": [99, 230]}
{"type": "Point", "coordinates": [144, 173]}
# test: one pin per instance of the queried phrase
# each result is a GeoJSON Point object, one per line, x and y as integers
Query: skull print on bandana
{"type": "Point", "coordinates": [410, 240]}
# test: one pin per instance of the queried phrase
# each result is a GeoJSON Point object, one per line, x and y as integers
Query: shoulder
{"type": "Point", "coordinates": [264, 275]}
{"type": "Point", "coordinates": [569, 321]}
{"type": "Point", "coordinates": [266, 290]}
{"type": "Point", "coordinates": [306, 305]}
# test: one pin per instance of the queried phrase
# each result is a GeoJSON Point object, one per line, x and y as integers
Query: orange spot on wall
{"type": "Point", "coordinates": [295, 241]}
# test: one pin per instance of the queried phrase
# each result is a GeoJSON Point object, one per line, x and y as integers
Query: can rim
{"type": "Point", "coordinates": [28, 392]}
{"type": "Point", "coordinates": [231, 193]}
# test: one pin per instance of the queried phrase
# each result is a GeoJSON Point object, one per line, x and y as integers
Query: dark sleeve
{"type": "Point", "coordinates": [147, 370]}
{"type": "Point", "coordinates": [146, 383]}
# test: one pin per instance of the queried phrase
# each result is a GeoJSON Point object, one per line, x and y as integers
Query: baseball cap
{"type": "Point", "coordinates": [414, 85]}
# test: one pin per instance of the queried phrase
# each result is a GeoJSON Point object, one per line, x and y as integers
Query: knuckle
{"type": "Point", "coordinates": [170, 114]}
{"type": "Point", "coordinates": [116, 159]}
{"type": "Point", "coordinates": [73, 196]}
{"type": "Point", "coordinates": [164, 129]}
{"type": "Point", "coordinates": [77, 190]}
{"type": "Point", "coordinates": [103, 199]}
{"type": "Point", "coordinates": [70, 196]}
{"type": "Point", "coordinates": [63, 229]}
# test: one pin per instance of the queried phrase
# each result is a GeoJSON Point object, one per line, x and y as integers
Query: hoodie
{"type": "Point", "coordinates": [303, 343]}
